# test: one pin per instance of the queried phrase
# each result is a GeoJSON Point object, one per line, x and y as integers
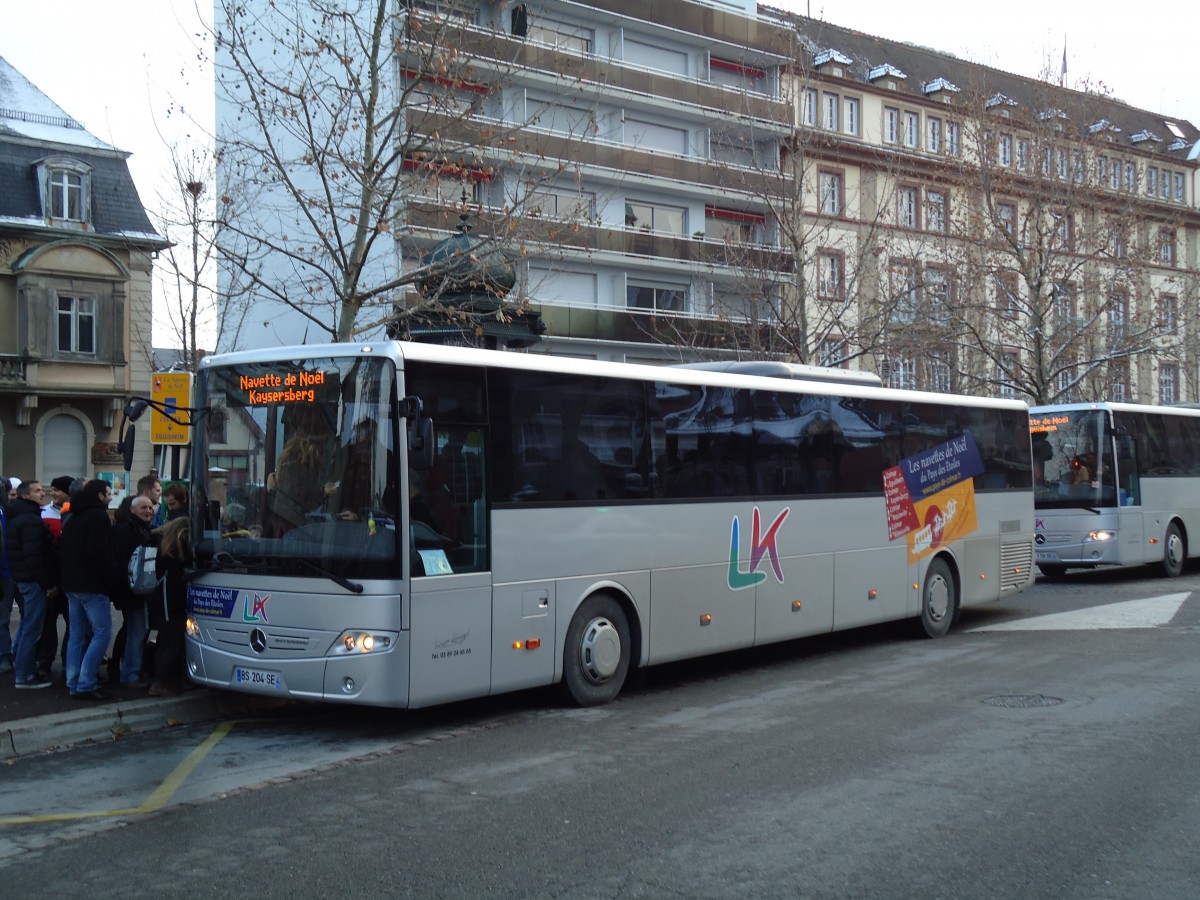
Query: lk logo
{"type": "Point", "coordinates": [256, 610]}
{"type": "Point", "coordinates": [760, 544]}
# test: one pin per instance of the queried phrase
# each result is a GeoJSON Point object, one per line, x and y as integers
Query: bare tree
{"type": "Point", "coordinates": [357, 129]}
{"type": "Point", "coordinates": [1052, 252]}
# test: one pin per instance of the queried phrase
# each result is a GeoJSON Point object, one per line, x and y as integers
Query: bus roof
{"type": "Point", "coordinates": [697, 374]}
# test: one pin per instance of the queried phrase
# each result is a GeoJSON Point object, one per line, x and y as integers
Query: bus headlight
{"type": "Point", "coordinates": [358, 642]}
{"type": "Point", "coordinates": [1101, 535]}
{"type": "Point", "coordinates": [192, 628]}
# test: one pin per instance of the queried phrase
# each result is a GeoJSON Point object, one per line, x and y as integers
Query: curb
{"type": "Point", "coordinates": [114, 721]}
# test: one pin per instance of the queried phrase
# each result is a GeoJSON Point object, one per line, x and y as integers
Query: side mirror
{"type": "Point", "coordinates": [127, 445]}
{"type": "Point", "coordinates": [420, 444]}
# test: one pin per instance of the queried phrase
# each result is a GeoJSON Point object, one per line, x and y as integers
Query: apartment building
{"type": "Point", "coordinates": [76, 255]}
{"type": "Point", "coordinates": [687, 180]}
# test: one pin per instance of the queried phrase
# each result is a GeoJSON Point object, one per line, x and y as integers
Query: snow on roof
{"type": "Point", "coordinates": [27, 112]}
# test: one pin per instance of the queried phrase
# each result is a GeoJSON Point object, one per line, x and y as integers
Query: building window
{"type": "Point", "coordinates": [552, 203]}
{"type": "Point", "coordinates": [899, 372]}
{"type": "Point", "coordinates": [907, 213]}
{"type": "Point", "coordinates": [939, 375]}
{"type": "Point", "coordinates": [1131, 177]}
{"type": "Point", "coordinates": [66, 196]}
{"type": "Point", "coordinates": [830, 274]}
{"type": "Point", "coordinates": [808, 107]}
{"type": "Point", "coordinates": [912, 128]}
{"type": "Point", "coordinates": [1064, 306]}
{"type": "Point", "coordinates": [1064, 230]}
{"type": "Point", "coordinates": [733, 226]}
{"type": "Point", "coordinates": [561, 35]}
{"type": "Point", "coordinates": [1168, 383]}
{"type": "Point", "coordinates": [1114, 175]}
{"type": "Point", "coordinates": [850, 106]}
{"type": "Point", "coordinates": [1166, 246]}
{"type": "Point", "coordinates": [1168, 305]}
{"type": "Point", "coordinates": [76, 324]}
{"type": "Point", "coordinates": [1117, 243]}
{"type": "Point", "coordinates": [1118, 316]}
{"type": "Point", "coordinates": [1006, 150]}
{"type": "Point", "coordinates": [1078, 171]}
{"type": "Point", "coordinates": [832, 353]}
{"type": "Point", "coordinates": [905, 292]}
{"type": "Point", "coordinates": [936, 210]}
{"type": "Point", "coordinates": [655, 217]}
{"type": "Point", "coordinates": [1118, 380]}
{"type": "Point", "coordinates": [1008, 295]}
{"type": "Point", "coordinates": [891, 125]}
{"type": "Point", "coordinates": [831, 192]}
{"type": "Point", "coordinates": [1008, 366]}
{"type": "Point", "coordinates": [1166, 185]}
{"type": "Point", "coordinates": [1151, 180]}
{"type": "Point", "coordinates": [830, 112]}
{"type": "Point", "coordinates": [1064, 166]}
{"type": "Point", "coordinates": [1101, 170]}
{"type": "Point", "coordinates": [952, 139]}
{"type": "Point", "coordinates": [1178, 187]}
{"type": "Point", "coordinates": [939, 289]}
{"type": "Point", "coordinates": [65, 185]}
{"type": "Point", "coordinates": [933, 130]}
{"type": "Point", "coordinates": [1023, 154]}
{"type": "Point", "coordinates": [1006, 217]}
{"type": "Point", "coordinates": [657, 297]}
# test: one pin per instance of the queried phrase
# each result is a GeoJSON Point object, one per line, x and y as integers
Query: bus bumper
{"type": "Point", "coordinates": [1088, 554]}
{"type": "Point", "coordinates": [371, 679]}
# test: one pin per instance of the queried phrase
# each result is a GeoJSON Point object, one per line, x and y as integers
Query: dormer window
{"type": "Point", "coordinates": [939, 87]}
{"type": "Point", "coordinates": [1142, 136]}
{"type": "Point", "coordinates": [65, 186]}
{"type": "Point", "coordinates": [888, 73]}
{"type": "Point", "coordinates": [834, 59]}
{"type": "Point", "coordinates": [999, 101]}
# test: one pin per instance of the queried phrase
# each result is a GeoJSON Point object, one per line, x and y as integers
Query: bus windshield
{"type": "Point", "coordinates": [1072, 459]}
{"type": "Point", "coordinates": [295, 469]}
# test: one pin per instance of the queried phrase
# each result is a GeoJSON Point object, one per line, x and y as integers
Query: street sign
{"type": "Point", "coordinates": [173, 390]}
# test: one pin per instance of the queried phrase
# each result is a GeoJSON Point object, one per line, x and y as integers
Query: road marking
{"type": "Point", "coordinates": [1152, 612]}
{"type": "Point", "coordinates": [156, 801]}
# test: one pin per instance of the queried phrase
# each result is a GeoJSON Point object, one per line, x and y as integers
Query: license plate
{"type": "Point", "coordinates": [258, 678]}
{"type": "Point", "coordinates": [1046, 556]}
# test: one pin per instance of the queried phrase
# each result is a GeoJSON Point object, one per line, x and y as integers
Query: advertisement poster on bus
{"type": "Point", "coordinates": [931, 496]}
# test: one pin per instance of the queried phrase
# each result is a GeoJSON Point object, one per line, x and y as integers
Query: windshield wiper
{"type": "Point", "coordinates": [352, 586]}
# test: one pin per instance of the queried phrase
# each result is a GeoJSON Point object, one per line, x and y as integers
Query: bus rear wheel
{"type": "Point", "coordinates": [1174, 552]}
{"type": "Point", "coordinates": [596, 655]}
{"type": "Point", "coordinates": [939, 599]}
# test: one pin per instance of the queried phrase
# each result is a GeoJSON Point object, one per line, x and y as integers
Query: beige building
{"type": "Point", "coordinates": [76, 253]}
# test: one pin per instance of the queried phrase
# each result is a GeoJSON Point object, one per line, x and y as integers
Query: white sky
{"type": "Point", "coordinates": [124, 69]}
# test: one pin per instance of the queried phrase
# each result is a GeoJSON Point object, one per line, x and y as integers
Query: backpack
{"type": "Point", "coordinates": [142, 580]}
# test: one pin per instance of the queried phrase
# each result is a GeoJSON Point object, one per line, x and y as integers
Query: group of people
{"type": "Point", "coordinates": [65, 555]}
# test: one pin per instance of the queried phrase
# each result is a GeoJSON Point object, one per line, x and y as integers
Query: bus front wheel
{"type": "Point", "coordinates": [596, 655]}
{"type": "Point", "coordinates": [939, 598]}
{"type": "Point", "coordinates": [1174, 552]}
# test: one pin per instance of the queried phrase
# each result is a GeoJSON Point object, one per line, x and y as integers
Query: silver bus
{"type": "Point", "coordinates": [404, 524]}
{"type": "Point", "coordinates": [1116, 484]}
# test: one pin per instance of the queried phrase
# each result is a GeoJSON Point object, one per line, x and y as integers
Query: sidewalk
{"type": "Point", "coordinates": [50, 719]}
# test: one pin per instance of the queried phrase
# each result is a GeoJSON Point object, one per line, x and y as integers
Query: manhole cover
{"type": "Point", "coordinates": [1022, 701]}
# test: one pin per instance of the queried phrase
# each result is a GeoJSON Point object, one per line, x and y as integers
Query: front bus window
{"type": "Point", "coordinates": [301, 475]}
{"type": "Point", "coordinates": [1072, 459]}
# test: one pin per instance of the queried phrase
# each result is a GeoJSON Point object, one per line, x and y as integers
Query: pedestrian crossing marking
{"type": "Point", "coordinates": [1151, 612]}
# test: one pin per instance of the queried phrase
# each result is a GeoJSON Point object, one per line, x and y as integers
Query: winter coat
{"type": "Point", "coordinates": [126, 537]}
{"type": "Point", "coordinates": [85, 549]}
{"type": "Point", "coordinates": [29, 544]}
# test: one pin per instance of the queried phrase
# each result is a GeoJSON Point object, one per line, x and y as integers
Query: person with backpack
{"type": "Point", "coordinates": [127, 536]}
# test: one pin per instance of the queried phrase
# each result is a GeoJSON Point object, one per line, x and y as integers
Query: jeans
{"type": "Point", "coordinates": [135, 639]}
{"type": "Point", "coordinates": [84, 656]}
{"type": "Point", "coordinates": [29, 632]}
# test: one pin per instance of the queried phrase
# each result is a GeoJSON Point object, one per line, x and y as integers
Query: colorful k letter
{"type": "Point", "coordinates": [758, 546]}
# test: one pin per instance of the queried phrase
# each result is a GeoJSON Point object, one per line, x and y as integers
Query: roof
{"type": "Point", "coordinates": [32, 127]}
{"type": "Point", "coordinates": [924, 66]}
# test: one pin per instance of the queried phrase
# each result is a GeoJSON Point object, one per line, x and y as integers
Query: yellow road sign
{"type": "Point", "coordinates": [172, 390]}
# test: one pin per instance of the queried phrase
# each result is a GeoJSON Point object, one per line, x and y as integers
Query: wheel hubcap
{"type": "Point", "coordinates": [937, 599]}
{"type": "Point", "coordinates": [600, 650]}
{"type": "Point", "coordinates": [1174, 549]}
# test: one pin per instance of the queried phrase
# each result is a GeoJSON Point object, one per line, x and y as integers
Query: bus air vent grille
{"type": "Point", "coordinates": [1016, 562]}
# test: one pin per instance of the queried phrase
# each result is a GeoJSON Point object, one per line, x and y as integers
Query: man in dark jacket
{"type": "Point", "coordinates": [127, 536]}
{"type": "Point", "coordinates": [31, 563]}
{"type": "Point", "coordinates": [89, 575]}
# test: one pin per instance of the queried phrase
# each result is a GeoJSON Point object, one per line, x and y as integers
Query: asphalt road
{"type": "Point", "coordinates": [1045, 748]}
